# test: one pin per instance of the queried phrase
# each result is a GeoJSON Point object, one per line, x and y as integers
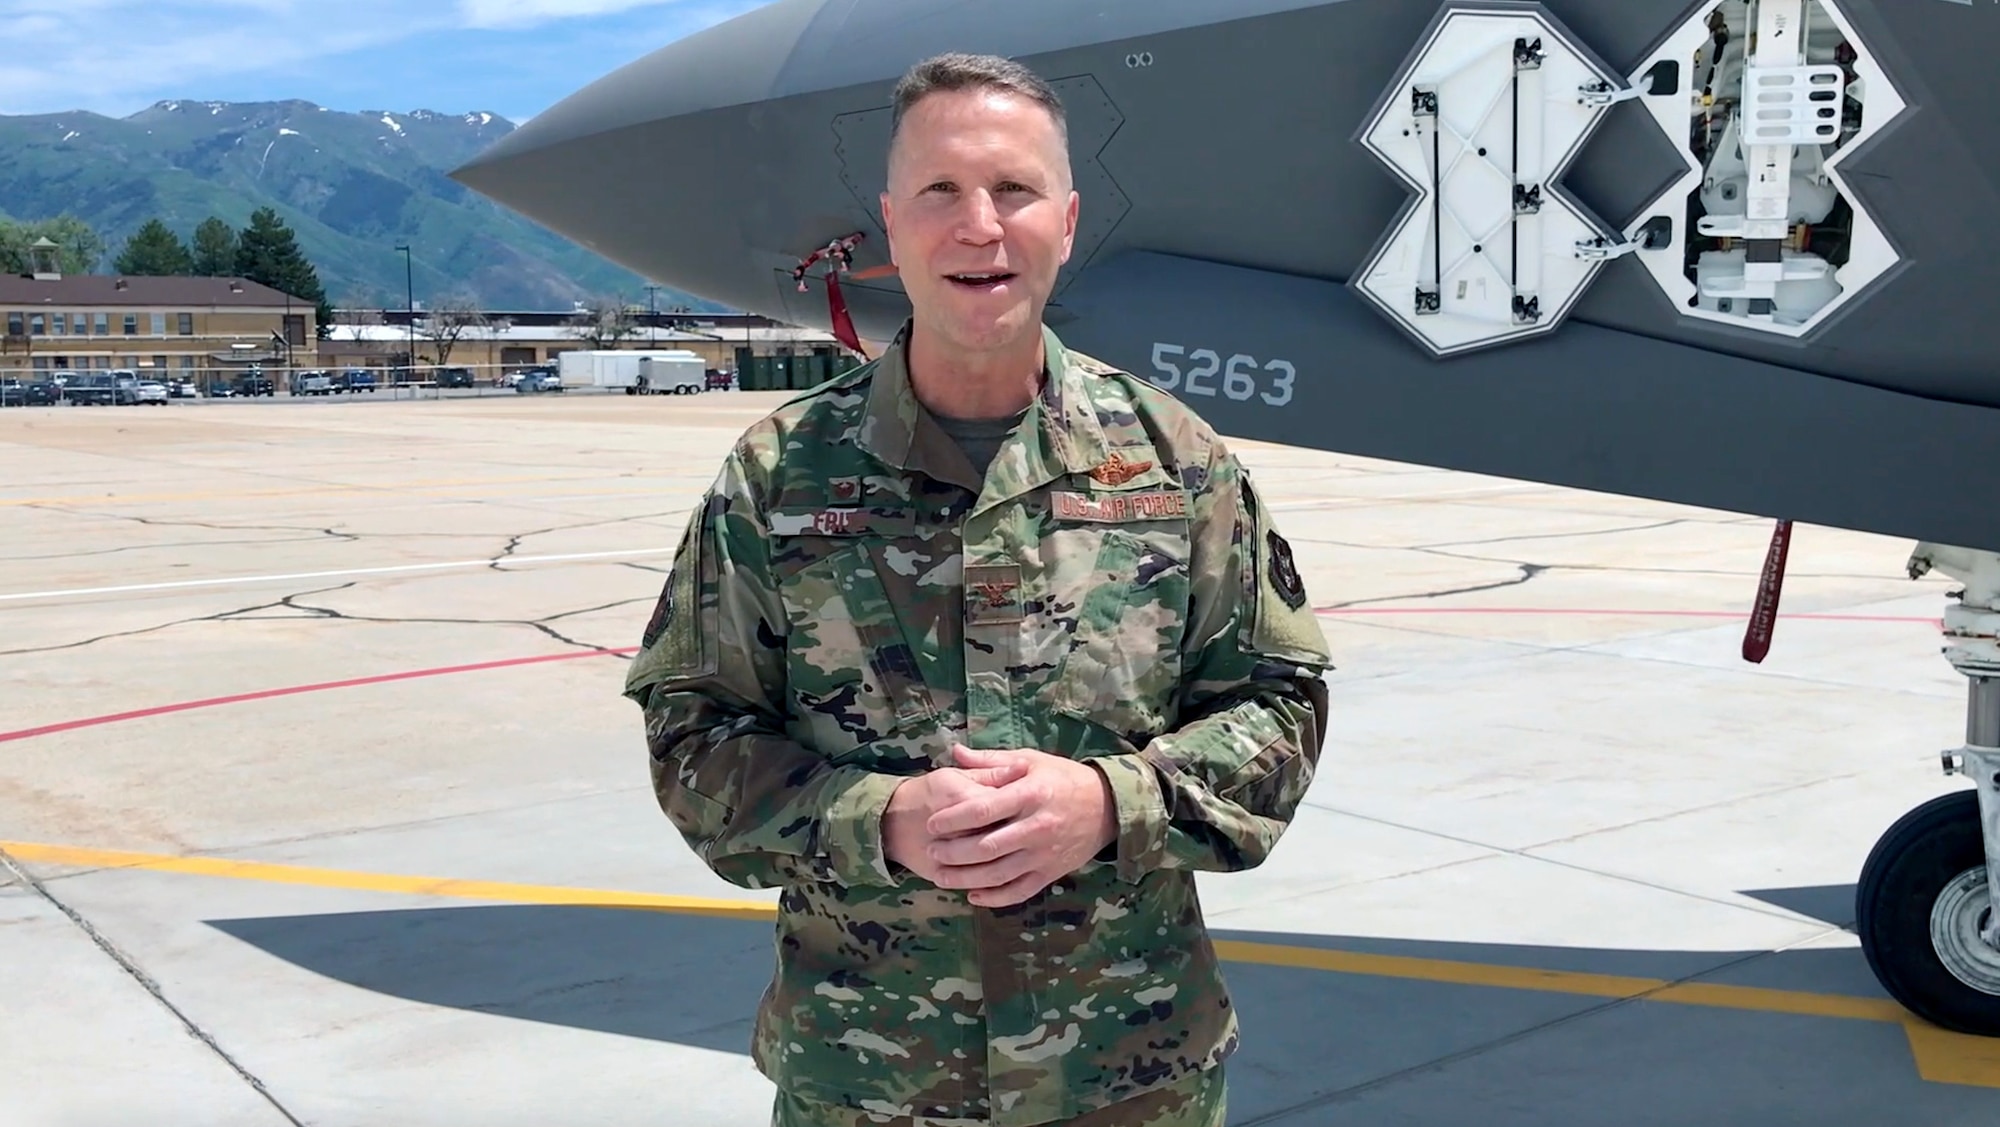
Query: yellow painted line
{"type": "Point", "coordinates": [1784, 1002]}
{"type": "Point", "coordinates": [386, 882]}
{"type": "Point", "coordinates": [1714, 995]}
{"type": "Point", "coordinates": [1940, 1056]}
{"type": "Point", "coordinates": [398, 487]}
{"type": "Point", "coordinates": [1434, 970]}
{"type": "Point", "coordinates": [1944, 1057]}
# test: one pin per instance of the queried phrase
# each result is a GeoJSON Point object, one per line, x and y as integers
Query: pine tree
{"type": "Point", "coordinates": [268, 252]}
{"type": "Point", "coordinates": [214, 249]}
{"type": "Point", "coordinates": [153, 249]}
{"type": "Point", "coordinates": [81, 245]}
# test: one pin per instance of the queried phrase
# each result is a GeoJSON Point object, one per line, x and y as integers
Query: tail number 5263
{"type": "Point", "coordinates": [1240, 376]}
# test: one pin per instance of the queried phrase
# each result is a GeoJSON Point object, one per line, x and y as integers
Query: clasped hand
{"type": "Point", "coordinates": [1002, 825]}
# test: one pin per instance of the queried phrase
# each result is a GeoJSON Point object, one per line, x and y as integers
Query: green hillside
{"type": "Point", "coordinates": [352, 185]}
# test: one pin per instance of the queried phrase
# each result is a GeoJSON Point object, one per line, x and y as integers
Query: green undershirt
{"type": "Point", "coordinates": [981, 438]}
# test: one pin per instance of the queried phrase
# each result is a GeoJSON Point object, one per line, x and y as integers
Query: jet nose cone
{"type": "Point", "coordinates": [732, 63]}
{"type": "Point", "coordinates": [643, 164]}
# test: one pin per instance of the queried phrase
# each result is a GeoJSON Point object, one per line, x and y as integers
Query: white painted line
{"type": "Point", "coordinates": [73, 591]}
{"type": "Point", "coordinates": [1362, 499]}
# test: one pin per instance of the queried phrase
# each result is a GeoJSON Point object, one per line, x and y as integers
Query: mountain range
{"type": "Point", "coordinates": [351, 185]}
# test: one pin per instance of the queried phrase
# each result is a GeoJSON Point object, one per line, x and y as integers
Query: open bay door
{"type": "Point", "coordinates": [1490, 108]}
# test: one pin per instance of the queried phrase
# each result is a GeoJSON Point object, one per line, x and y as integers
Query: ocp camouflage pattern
{"type": "Point", "coordinates": [851, 598]}
{"type": "Point", "coordinates": [1198, 1099]}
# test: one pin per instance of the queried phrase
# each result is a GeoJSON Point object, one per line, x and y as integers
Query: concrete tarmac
{"type": "Point", "coordinates": [319, 804]}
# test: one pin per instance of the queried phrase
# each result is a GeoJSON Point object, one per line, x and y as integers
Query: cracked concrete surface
{"type": "Point", "coordinates": [1545, 751]}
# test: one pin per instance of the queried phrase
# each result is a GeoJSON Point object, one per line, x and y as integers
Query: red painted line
{"type": "Point", "coordinates": [1604, 613]}
{"type": "Point", "coordinates": [266, 694]}
{"type": "Point", "coordinates": [384, 678]}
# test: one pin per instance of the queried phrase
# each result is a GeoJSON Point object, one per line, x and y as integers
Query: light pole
{"type": "Point", "coordinates": [652, 316]}
{"type": "Point", "coordinates": [410, 309]}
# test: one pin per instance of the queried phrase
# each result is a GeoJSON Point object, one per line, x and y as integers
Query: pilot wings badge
{"type": "Point", "coordinates": [1117, 471]}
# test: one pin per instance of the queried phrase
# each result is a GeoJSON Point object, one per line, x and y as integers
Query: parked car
{"type": "Point", "coordinates": [454, 377]}
{"type": "Point", "coordinates": [153, 392]}
{"type": "Point", "coordinates": [221, 390]}
{"type": "Point", "coordinates": [355, 380]}
{"type": "Point", "coordinates": [43, 393]}
{"type": "Point", "coordinates": [13, 393]}
{"type": "Point", "coordinates": [312, 383]}
{"type": "Point", "coordinates": [256, 385]}
{"type": "Point", "coordinates": [182, 388]}
{"type": "Point", "coordinates": [117, 388]}
{"type": "Point", "coordinates": [533, 382]}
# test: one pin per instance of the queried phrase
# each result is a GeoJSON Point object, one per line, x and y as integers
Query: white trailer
{"type": "Point", "coordinates": [673, 373]}
{"type": "Point", "coordinates": [610, 367]}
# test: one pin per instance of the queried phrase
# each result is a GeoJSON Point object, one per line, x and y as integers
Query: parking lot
{"type": "Point", "coordinates": [18, 395]}
{"type": "Point", "coordinates": [326, 800]}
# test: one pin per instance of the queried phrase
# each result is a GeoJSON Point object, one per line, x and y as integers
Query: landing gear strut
{"type": "Point", "coordinates": [1928, 902]}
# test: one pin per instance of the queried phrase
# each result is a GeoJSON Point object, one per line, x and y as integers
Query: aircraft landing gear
{"type": "Point", "coordinates": [1927, 906]}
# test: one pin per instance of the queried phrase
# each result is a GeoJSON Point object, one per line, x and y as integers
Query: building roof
{"type": "Point", "coordinates": [24, 291]}
{"type": "Point", "coordinates": [397, 334]}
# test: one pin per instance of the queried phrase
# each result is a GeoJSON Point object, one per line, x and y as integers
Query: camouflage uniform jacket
{"type": "Point", "coordinates": [850, 599]}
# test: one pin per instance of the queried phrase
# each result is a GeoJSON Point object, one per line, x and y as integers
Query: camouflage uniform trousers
{"type": "Point", "coordinates": [1197, 1100]}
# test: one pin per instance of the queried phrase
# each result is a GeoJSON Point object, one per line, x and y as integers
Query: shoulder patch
{"type": "Point", "coordinates": [1283, 570]}
{"type": "Point", "coordinates": [678, 638]}
{"type": "Point", "coordinates": [663, 613]}
{"type": "Point", "coordinates": [1278, 619]}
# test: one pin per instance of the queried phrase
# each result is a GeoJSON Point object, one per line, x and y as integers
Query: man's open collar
{"type": "Point", "coordinates": [897, 430]}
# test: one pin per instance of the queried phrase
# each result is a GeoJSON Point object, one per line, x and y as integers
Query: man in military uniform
{"type": "Point", "coordinates": [980, 652]}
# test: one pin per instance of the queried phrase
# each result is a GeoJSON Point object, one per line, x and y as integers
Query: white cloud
{"type": "Point", "coordinates": [526, 13]}
{"type": "Point", "coordinates": [136, 51]}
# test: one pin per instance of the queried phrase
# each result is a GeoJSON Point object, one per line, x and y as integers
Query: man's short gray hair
{"type": "Point", "coordinates": [957, 71]}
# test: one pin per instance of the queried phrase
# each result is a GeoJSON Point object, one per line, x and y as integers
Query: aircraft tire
{"type": "Point", "coordinates": [1915, 864]}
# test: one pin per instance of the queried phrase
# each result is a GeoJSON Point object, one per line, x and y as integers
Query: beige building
{"type": "Point", "coordinates": [198, 328]}
{"type": "Point", "coordinates": [502, 342]}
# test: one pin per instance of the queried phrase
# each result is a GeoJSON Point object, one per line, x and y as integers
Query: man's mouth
{"type": "Point", "coordinates": [979, 281]}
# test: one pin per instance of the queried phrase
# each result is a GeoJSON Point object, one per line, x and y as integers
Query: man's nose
{"type": "Point", "coordinates": [979, 221]}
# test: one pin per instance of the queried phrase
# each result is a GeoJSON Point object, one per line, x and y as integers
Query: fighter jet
{"type": "Point", "coordinates": [1731, 254]}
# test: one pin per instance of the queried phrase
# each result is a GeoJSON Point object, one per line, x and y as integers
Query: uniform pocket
{"type": "Point", "coordinates": [853, 679]}
{"type": "Point", "coordinates": [1131, 609]}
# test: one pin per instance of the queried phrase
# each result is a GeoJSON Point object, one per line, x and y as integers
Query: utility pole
{"type": "Point", "coordinates": [652, 316]}
{"type": "Point", "coordinates": [410, 307]}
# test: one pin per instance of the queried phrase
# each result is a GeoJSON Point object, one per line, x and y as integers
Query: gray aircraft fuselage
{"type": "Point", "coordinates": [1228, 208]}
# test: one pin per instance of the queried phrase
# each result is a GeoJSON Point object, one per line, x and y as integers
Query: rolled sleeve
{"type": "Point", "coordinates": [1219, 790]}
{"type": "Point", "coordinates": [853, 851]}
{"type": "Point", "coordinates": [759, 808]}
{"type": "Point", "coordinates": [1139, 810]}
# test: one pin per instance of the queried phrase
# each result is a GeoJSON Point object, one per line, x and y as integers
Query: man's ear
{"type": "Point", "coordinates": [1069, 224]}
{"type": "Point", "coordinates": [889, 227]}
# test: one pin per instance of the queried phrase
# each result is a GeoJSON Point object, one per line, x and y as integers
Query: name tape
{"type": "Point", "coordinates": [1120, 508]}
{"type": "Point", "coordinates": [841, 522]}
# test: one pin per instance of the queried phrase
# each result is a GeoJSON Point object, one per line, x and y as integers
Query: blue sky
{"type": "Point", "coordinates": [510, 57]}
